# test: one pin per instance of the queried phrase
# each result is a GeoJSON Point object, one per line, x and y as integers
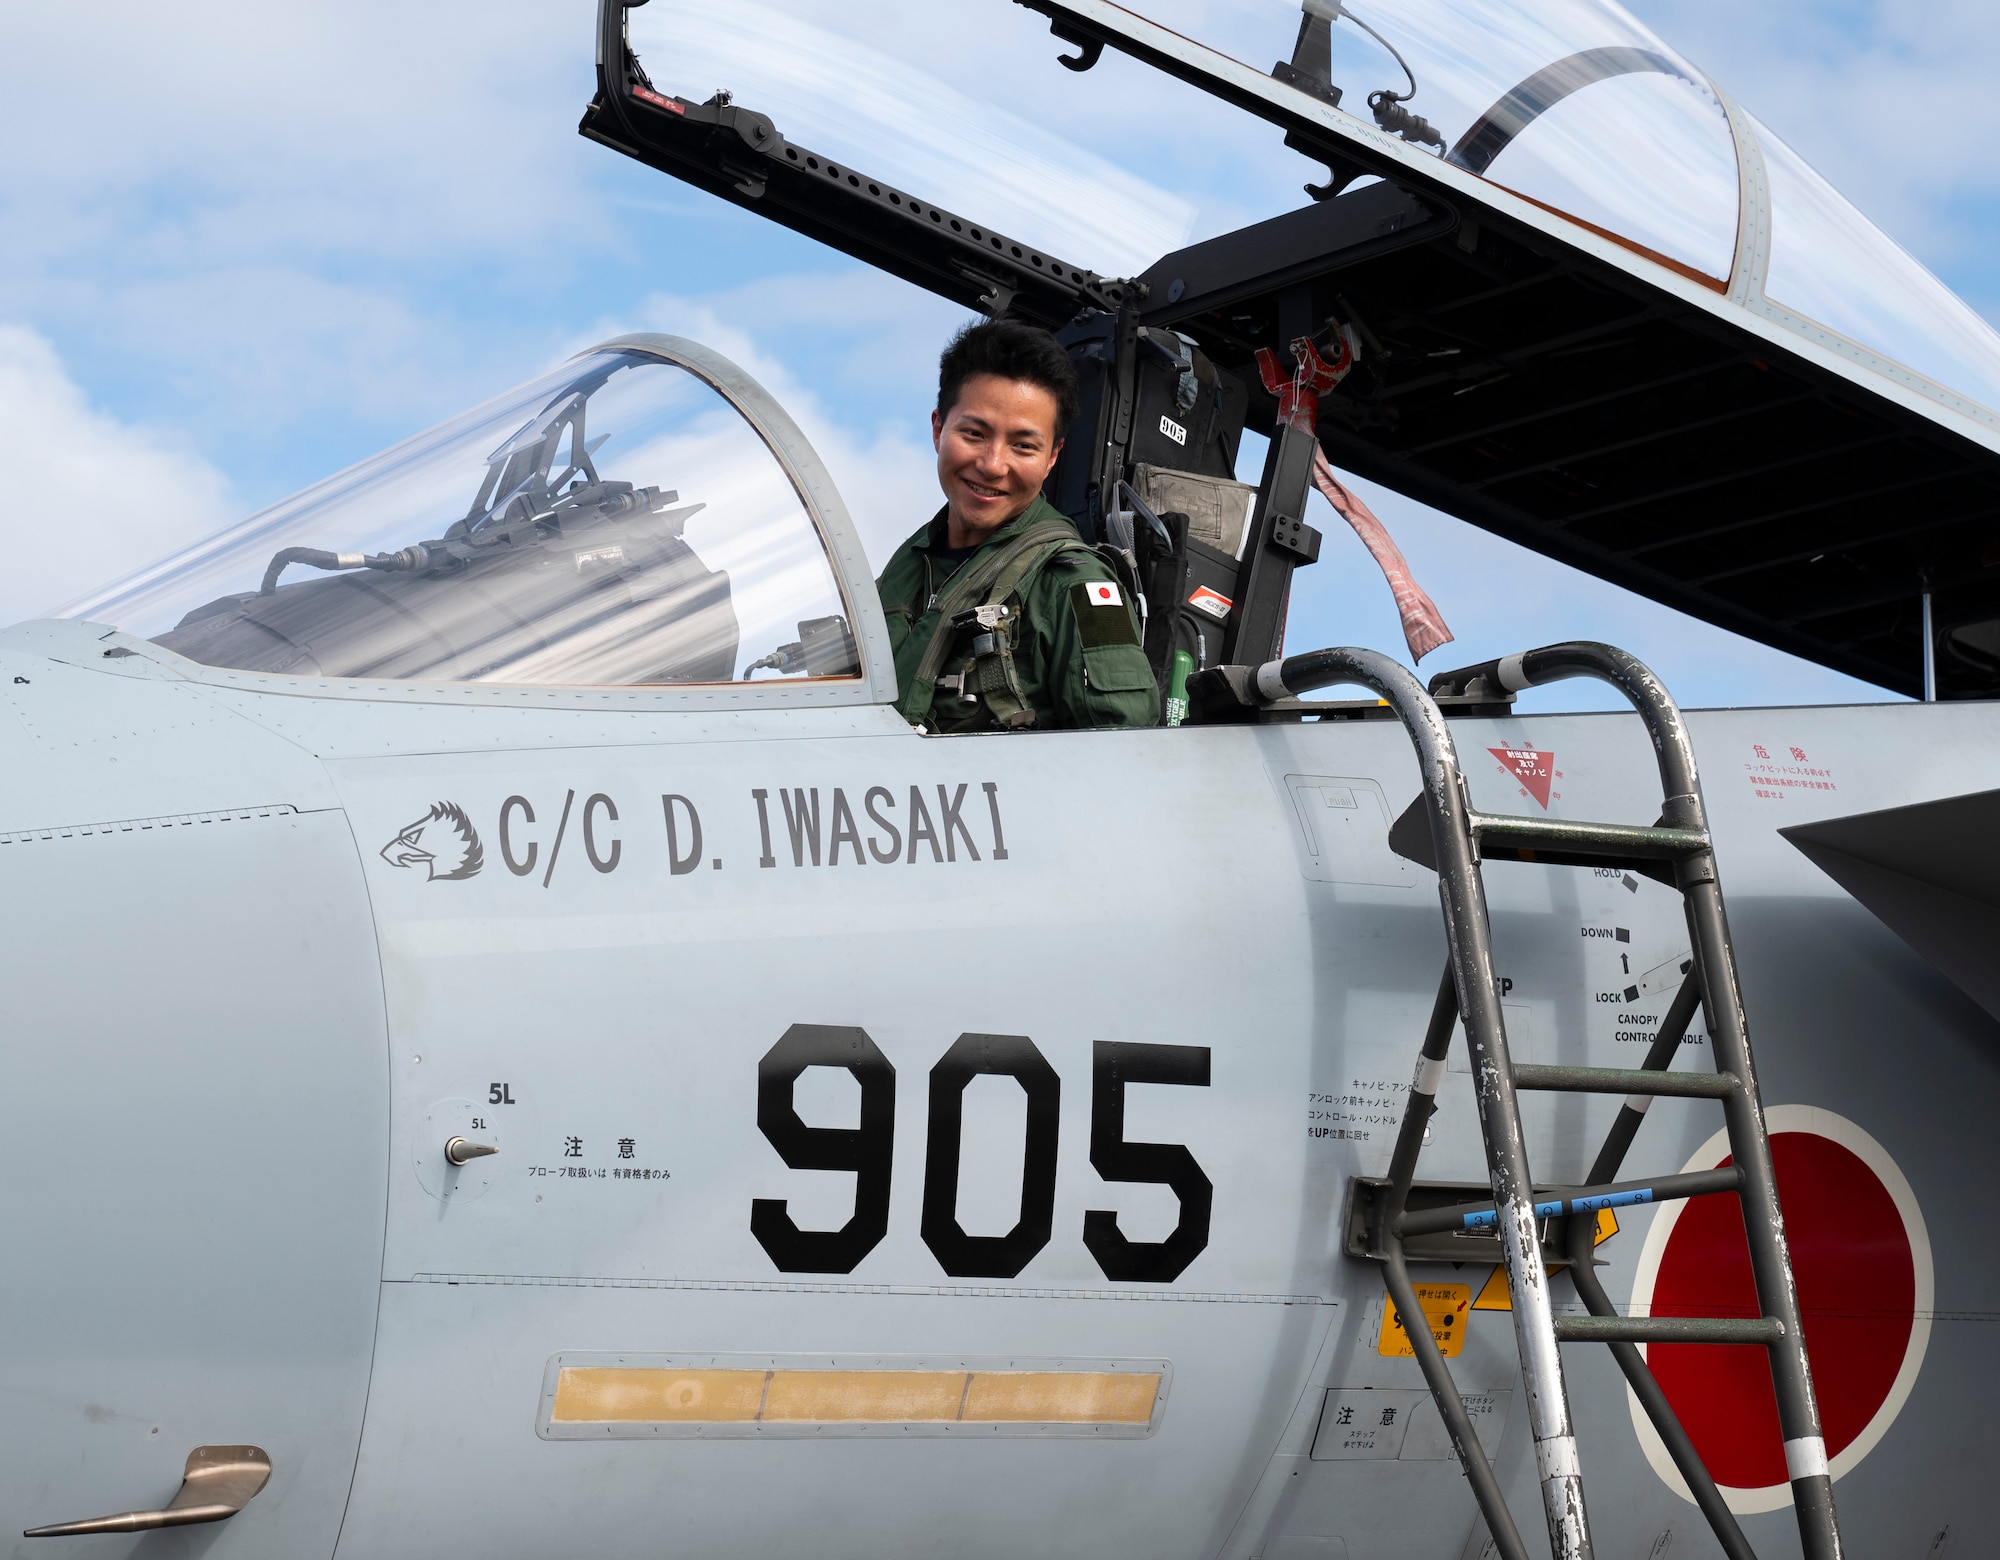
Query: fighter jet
{"type": "Point", "coordinates": [514, 1047]}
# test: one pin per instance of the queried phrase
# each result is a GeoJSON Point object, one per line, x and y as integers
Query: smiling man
{"type": "Point", "coordinates": [1000, 616]}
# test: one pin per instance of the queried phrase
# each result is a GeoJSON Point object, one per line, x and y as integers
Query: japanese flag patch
{"type": "Point", "coordinates": [1101, 618]}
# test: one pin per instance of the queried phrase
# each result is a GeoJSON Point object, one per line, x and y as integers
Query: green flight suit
{"type": "Point", "coordinates": [1064, 655]}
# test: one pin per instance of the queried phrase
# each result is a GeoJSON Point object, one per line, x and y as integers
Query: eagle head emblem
{"type": "Point", "coordinates": [443, 842]}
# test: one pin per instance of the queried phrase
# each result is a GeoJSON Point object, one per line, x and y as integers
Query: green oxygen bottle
{"type": "Point", "coordinates": [1177, 698]}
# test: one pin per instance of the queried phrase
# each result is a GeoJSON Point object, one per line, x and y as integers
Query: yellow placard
{"type": "Point", "coordinates": [1496, 1295]}
{"type": "Point", "coordinates": [1445, 1308]}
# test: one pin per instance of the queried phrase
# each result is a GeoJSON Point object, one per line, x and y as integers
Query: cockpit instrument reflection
{"type": "Point", "coordinates": [616, 522]}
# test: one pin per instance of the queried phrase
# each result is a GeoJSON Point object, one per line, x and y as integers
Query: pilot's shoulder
{"type": "Point", "coordinates": [903, 561]}
{"type": "Point", "coordinates": [1080, 587]}
{"type": "Point", "coordinates": [1064, 574]}
{"type": "Point", "coordinates": [1073, 564]}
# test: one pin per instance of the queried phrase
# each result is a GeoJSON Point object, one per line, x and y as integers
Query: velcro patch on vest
{"type": "Point", "coordinates": [1101, 619]}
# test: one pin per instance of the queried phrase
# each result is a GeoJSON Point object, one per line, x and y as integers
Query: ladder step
{"type": "Point", "coordinates": [1668, 1329]}
{"type": "Point", "coordinates": [1623, 844]}
{"type": "Point", "coordinates": [1624, 1080]}
{"type": "Point", "coordinates": [1649, 852]}
{"type": "Point", "coordinates": [1585, 1199]}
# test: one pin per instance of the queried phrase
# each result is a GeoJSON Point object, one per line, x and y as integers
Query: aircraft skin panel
{"type": "Point", "coordinates": [336, 729]}
{"type": "Point", "coordinates": [748, 949]}
{"type": "Point", "coordinates": [88, 739]}
{"type": "Point", "coordinates": [553, 985]}
{"type": "Point", "coordinates": [1240, 906]}
{"type": "Point", "coordinates": [660, 992]}
{"type": "Point", "coordinates": [194, 1112]}
{"type": "Point", "coordinates": [1173, 1493]}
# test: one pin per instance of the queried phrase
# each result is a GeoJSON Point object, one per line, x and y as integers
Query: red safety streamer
{"type": "Point", "coordinates": [1423, 625]}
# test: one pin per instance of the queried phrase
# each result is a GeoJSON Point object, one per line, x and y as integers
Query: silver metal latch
{"type": "Point", "coordinates": [218, 1482]}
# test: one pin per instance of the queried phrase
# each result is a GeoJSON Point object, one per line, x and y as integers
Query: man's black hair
{"type": "Point", "coordinates": [1012, 350]}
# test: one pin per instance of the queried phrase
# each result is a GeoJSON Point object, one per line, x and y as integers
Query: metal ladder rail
{"type": "Point", "coordinates": [1582, 1271]}
{"type": "Point", "coordinates": [1391, 1226]}
{"type": "Point", "coordinates": [1430, 1358]}
{"type": "Point", "coordinates": [1651, 851]}
{"type": "Point", "coordinates": [1462, 897]}
{"type": "Point", "coordinates": [1623, 1333]}
{"type": "Point", "coordinates": [1683, 829]}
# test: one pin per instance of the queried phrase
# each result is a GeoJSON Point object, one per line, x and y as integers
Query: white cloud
{"type": "Point", "coordinates": [298, 232]}
{"type": "Point", "coordinates": [368, 126]}
{"type": "Point", "coordinates": [92, 497]}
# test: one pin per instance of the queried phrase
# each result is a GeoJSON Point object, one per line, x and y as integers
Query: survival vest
{"type": "Point", "coordinates": [979, 612]}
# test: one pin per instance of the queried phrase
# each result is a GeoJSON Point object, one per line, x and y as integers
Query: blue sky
{"type": "Point", "coordinates": [251, 244]}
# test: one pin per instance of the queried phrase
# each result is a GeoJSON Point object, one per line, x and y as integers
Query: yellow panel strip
{"type": "Point", "coordinates": [825, 1397]}
{"type": "Point", "coordinates": [616, 1396]}
{"type": "Point", "coordinates": [1061, 1397]}
{"type": "Point", "coordinates": [665, 1395]}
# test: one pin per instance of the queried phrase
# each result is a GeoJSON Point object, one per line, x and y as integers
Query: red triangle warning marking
{"type": "Point", "coordinates": [1534, 769]}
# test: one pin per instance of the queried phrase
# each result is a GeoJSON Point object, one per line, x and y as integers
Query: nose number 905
{"type": "Point", "coordinates": [867, 1150]}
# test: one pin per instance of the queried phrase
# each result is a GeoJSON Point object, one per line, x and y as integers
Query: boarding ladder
{"type": "Point", "coordinates": [1676, 850]}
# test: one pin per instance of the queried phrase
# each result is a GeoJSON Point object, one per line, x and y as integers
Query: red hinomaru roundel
{"type": "Point", "coordinates": [1862, 1260]}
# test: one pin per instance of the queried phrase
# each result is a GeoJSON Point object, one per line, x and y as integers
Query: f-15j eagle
{"type": "Point", "coordinates": [514, 1048]}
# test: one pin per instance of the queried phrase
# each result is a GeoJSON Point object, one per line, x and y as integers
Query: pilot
{"type": "Point", "coordinates": [1000, 616]}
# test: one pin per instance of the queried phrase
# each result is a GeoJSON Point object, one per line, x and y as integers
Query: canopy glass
{"type": "Point", "coordinates": [1644, 152]}
{"type": "Point", "coordinates": [1571, 103]}
{"type": "Point", "coordinates": [617, 521]}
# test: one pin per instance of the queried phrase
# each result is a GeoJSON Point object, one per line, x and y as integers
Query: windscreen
{"type": "Point", "coordinates": [617, 521]}
{"type": "Point", "coordinates": [1831, 264]}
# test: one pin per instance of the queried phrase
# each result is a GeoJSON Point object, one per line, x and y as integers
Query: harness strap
{"type": "Point", "coordinates": [974, 585]}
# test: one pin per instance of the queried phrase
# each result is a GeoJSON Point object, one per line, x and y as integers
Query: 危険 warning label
{"type": "Point", "coordinates": [1779, 772]}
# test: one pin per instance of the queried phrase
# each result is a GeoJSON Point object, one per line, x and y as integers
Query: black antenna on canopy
{"type": "Point", "coordinates": [1311, 66]}
{"type": "Point", "coordinates": [1311, 70]}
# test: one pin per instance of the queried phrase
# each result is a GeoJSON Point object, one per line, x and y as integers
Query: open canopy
{"type": "Point", "coordinates": [1604, 312]}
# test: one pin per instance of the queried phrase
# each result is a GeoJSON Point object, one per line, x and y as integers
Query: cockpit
{"type": "Point", "coordinates": [619, 521]}
{"type": "Point", "coordinates": [1606, 312]}
{"type": "Point", "coordinates": [1591, 305]}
